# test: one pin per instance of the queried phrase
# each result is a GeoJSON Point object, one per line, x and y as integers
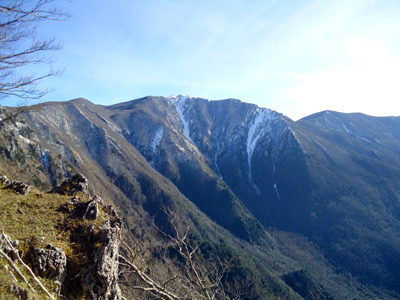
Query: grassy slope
{"type": "Point", "coordinates": [36, 220]}
{"type": "Point", "coordinates": [37, 225]}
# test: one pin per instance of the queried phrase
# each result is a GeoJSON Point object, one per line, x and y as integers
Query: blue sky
{"type": "Point", "coordinates": [295, 57]}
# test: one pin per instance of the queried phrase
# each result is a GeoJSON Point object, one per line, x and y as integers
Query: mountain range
{"type": "Point", "coordinates": [311, 207]}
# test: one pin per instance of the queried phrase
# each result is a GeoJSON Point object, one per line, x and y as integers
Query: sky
{"type": "Point", "coordinates": [297, 57]}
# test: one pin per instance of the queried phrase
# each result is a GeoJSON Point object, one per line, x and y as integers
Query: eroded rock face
{"type": "Point", "coordinates": [20, 187]}
{"type": "Point", "coordinates": [93, 208]}
{"type": "Point", "coordinates": [77, 183]}
{"type": "Point", "coordinates": [99, 279]}
{"type": "Point", "coordinates": [50, 262]}
{"type": "Point", "coordinates": [17, 186]}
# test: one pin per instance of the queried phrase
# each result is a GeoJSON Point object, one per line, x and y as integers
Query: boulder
{"type": "Point", "coordinates": [19, 187]}
{"type": "Point", "coordinates": [50, 262]}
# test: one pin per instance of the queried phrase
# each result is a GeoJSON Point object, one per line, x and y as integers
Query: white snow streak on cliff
{"type": "Point", "coordinates": [180, 102]}
{"type": "Point", "coordinates": [277, 192]}
{"type": "Point", "coordinates": [256, 130]}
{"type": "Point", "coordinates": [275, 186]}
{"type": "Point", "coordinates": [44, 153]}
{"type": "Point", "coordinates": [253, 135]}
{"type": "Point", "coordinates": [157, 139]}
{"type": "Point", "coordinates": [25, 140]}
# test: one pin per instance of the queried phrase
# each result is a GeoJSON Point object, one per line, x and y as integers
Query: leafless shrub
{"type": "Point", "coordinates": [190, 275]}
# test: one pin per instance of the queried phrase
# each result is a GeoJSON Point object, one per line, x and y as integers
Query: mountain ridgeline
{"type": "Point", "coordinates": [317, 200]}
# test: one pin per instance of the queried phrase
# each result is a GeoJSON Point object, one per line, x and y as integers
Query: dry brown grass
{"type": "Point", "coordinates": [36, 220]}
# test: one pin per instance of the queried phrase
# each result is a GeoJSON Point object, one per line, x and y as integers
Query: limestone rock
{"type": "Point", "coordinates": [73, 185]}
{"type": "Point", "coordinates": [50, 262]}
{"type": "Point", "coordinates": [20, 187]}
{"type": "Point", "coordinates": [100, 280]}
{"type": "Point", "coordinates": [17, 186]}
{"type": "Point", "coordinates": [92, 209]}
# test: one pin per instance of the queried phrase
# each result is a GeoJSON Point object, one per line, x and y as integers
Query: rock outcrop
{"type": "Point", "coordinates": [100, 243]}
{"type": "Point", "coordinates": [72, 186]}
{"type": "Point", "coordinates": [17, 186]}
{"type": "Point", "coordinates": [50, 262]}
{"type": "Point", "coordinates": [92, 211]}
{"type": "Point", "coordinates": [8, 246]}
{"type": "Point", "coordinates": [100, 281]}
{"type": "Point", "coordinates": [95, 235]}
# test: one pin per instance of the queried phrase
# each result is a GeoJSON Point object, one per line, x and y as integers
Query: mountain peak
{"type": "Point", "coordinates": [179, 97]}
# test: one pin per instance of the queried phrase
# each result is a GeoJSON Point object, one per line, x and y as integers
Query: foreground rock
{"type": "Point", "coordinates": [50, 262]}
{"type": "Point", "coordinates": [98, 277]}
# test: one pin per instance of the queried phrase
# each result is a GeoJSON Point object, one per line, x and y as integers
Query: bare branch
{"type": "Point", "coordinates": [152, 286]}
{"type": "Point", "coordinates": [191, 277]}
{"type": "Point", "coordinates": [19, 46]}
{"type": "Point", "coordinates": [25, 266]}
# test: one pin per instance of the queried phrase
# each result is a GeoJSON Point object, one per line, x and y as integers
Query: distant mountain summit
{"type": "Point", "coordinates": [328, 183]}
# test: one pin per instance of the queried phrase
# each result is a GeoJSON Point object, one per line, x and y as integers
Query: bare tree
{"type": "Point", "coordinates": [190, 275]}
{"type": "Point", "coordinates": [20, 46]}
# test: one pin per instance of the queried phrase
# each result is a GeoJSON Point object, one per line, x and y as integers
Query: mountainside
{"type": "Point", "coordinates": [313, 204]}
{"type": "Point", "coordinates": [353, 162]}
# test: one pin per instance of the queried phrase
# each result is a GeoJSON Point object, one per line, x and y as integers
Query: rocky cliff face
{"type": "Point", "coordinates": [168, 147]}
{"type": "Point", "coordinates": [194, 141]}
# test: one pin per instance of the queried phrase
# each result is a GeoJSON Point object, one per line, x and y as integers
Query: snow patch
{"type": "Point", "coordinates": [180, 103]}
{"type": "Point", "coordinates": [258, 127]}
{"type": "Point", "coordinates": [276, 190]}
{"type": "Point", "coordinates": [157, 139]}
{"type": "Point", "coordinates": [44, 153]}
{"type": "Point", "coordinates": [25, 140]}
{"type": "Point", "coordinates": [346, 129]}
{"type": "Point", "coordinates": [179, 97]}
